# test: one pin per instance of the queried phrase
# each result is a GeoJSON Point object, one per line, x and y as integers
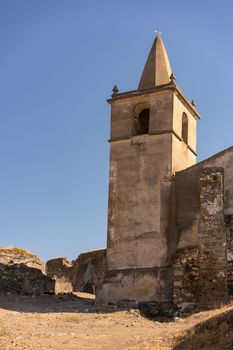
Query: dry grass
{"type": "Point", "coordinates": [203, 334]}
{"type": "Point", "coordinates": [15, 250]}
{"type": "Point", "coordinates": [76, 318]}
{"type": "Point", "coordinates": [151, 347]}
{"type": "Point", "coordinates": [3, 331]}
{"type": "Point", "coordinates": [83, 317]}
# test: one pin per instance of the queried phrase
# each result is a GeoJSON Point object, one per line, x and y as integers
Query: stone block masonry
{"type": "Point", "coordinates": [85, 274]}
{"type": "Point", "coordinates": [186, 279]}
{"type": "Point", "coordinates": [21, 279]}
{"type": "Point", "coordinates": [61, 270]}
{"type": "Point", "coordinates": [22, 272]}
{"type": "Point", "coordinates": [212, 240]}
{"type": "Point", "coordinates": [200, 273]}
{"type": "Point", "coordinates": [89, 270]}
{"type": "Point", "coordinates": [229, 224]}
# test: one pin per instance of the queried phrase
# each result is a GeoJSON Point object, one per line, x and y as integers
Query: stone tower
{"type": "Point", "coordinates": [153, 135]}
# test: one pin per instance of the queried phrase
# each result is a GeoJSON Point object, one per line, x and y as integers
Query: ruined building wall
{"type": "Point", "coordinates": [212, 239]}
{"type": "Point", "coordinates": [85, 274]}
{"type": "Point", "coordinates": [21, 279]}
{"type": "Point", "coordinates": [89, 269]}
{"type": "Point", "coordinates": [61, 270]}
{"type": "Point", "coordinates": [23, 272]}
{"type": "Point", "coordinates": [229, 227]}
{"type": "Point", "coordinates": [200, 270]}
{"type": "Point", "coordinates": [225, 160]}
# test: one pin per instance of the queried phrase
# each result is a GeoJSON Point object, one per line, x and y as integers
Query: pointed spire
{"type": "Point", "coordinates": [157, 70]}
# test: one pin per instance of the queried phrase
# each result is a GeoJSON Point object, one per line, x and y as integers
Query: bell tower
{"type": "Point", "coordinates": [153, 135]}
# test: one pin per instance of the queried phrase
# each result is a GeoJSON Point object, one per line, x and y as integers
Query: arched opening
{"type": "Point", "coordinates": [185, 128]}
{"type": "Point", "coordinates": [142, 122]}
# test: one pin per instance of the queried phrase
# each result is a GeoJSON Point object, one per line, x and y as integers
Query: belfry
{"type": "Point", "coordinates": [168, 217]}
{"type": "Point", "coordinates": [147, 145]}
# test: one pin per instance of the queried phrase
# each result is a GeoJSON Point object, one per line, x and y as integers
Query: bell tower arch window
{"type": "Point", "coordinates": [142, 120]}
{"type": "Point", "coordinates": [185, 128]}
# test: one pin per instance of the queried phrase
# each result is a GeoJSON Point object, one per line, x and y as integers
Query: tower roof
{"type": "Point", "coordinates": [157, 70]}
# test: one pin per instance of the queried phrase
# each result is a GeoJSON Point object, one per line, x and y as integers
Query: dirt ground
{"type": "Point", "coordinates": [72, 322]}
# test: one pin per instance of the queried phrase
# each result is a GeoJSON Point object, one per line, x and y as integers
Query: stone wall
{"type": "Point", "coordinates": [21, 279]}
{"type": "Point", "coordinates": [200, 273]}
{"type": "Point", "coordinates": [212, 239]}
{"type": "Point", "coordinates": [9, 256]}
{"type": "Point", "coordinates": [89, 270]}
{"type": "Point", "coordinates": [85, 274]}
{"type": "Point", "coordinates": [61, 269]}
{"type": "Point", "coordinates": [229, 225]}
{"type": "Point", "coordinates": [22, 272]}
{"type": "Point", "coordinates": [186, 279]}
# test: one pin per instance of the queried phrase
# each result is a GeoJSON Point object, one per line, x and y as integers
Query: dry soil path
{"type": "Point", "coordinates": [74, 323]}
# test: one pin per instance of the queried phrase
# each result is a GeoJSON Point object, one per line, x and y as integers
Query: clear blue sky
{"type": "Point", "coordinates": [59, 61]}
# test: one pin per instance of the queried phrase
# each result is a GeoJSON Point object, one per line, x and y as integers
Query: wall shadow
{"type": "Point", "coordinates": [67, 303]}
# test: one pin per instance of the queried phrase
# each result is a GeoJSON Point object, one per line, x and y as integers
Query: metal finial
{"type": "Point", "coordinates": [114, 91]}
{"type": "Point", "coordinates": [157, 31]}
{"type": "Point", "coordinates": [172, 78]}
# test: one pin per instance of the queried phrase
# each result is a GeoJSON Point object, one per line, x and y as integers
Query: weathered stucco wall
{"type": "Point", "coordinates": [124, 111]}
{"type": "Point", "coordinates": [186, 207]}
{"type": "Point", "coordinates": [178, 110]}
{"type": "Point", "coordinates": [134, 233]}
{"type": "Point", "coordinates": [183, 155]}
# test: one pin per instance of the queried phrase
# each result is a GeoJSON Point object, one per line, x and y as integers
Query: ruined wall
{"type": "Point", "coordinates": [224, 159]}
{"type": "Point", "coordinates": [21, 279]}
{"type": "Point", "coordinates": [229, 225]}
{"type": "Point", "coordinates": [89, 270]}
{"type": "Point", "coordinates": [85, 274]}
{"type": "Point", "coordinates": [186, 279]}
{"type": "Point", "coordinates": [61, 270]}
{"type": "Point", "coordinates": [200, 273]}
{"type": "Point", "coordinates": [187, 203]}
{"type": "Point", "coordinates": [22, 272]}
{"type": "Point", "coordinates": [9, 256]}
{"type": "Point", "coordinates": [212, 239]}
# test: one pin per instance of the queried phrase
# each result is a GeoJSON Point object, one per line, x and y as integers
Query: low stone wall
{"type": "Point", "coordinates": [9, 256]}
{"type": "Point", "coordinates": [22, 272]}
{"type": "Point", "coordinates": [21, 279]}
{"type": "Point", "coordinates": [85, 274]}
{"type": "Point", "coordinates": [89, 270]}
{"type": "Point", "coordinates": [61, 270]}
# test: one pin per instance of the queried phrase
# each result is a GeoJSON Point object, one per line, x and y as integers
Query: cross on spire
{"type": "Point", "coordinates": [157, 31]}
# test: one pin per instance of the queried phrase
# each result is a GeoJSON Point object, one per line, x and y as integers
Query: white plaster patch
{"type": "Point", "coordinates": [213, 207]}
{"type": "Point", "coordinates": [229, 256]}
{"type": "Point", "coordinates": [221, 274]}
